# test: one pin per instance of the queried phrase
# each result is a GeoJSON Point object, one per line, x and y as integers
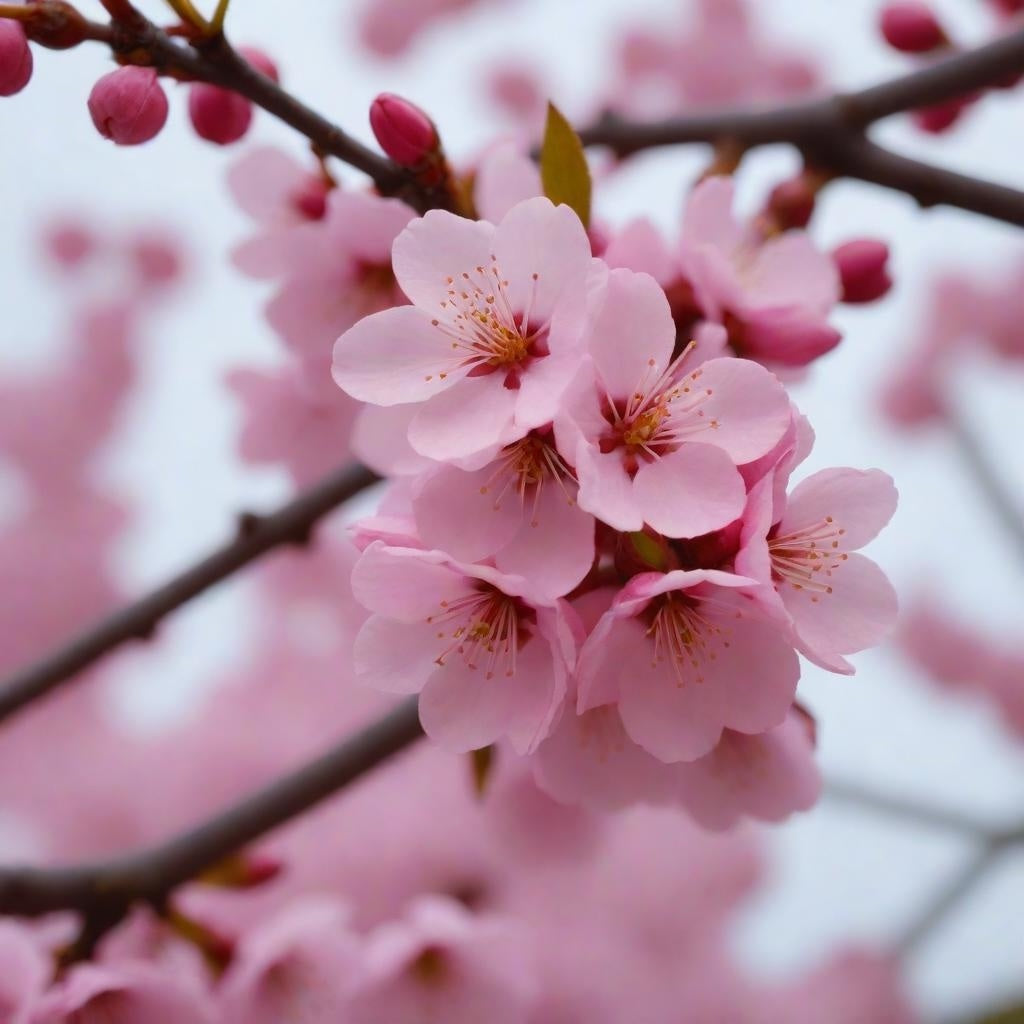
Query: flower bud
{"type": "Point", "coordinates": [942, 116]}
{"type": "Point", "coordinates": [911, 27]}
{"type": "Point", "coordinates": [128, 106]}
{"type": "Point", "coordinates": [69, 244]}
{"type": "Point", "coordinates": [261, 62]}
{"type": "Point", "coordinates": [863, 269]}
{"type": "Point", "coordinates": [157, 260]}
{"type": "Point", "coordinates": [404, 131]}
{"type": "Point", "coordinates": [15, 58]}
{"type": "Point", "coordinates": [218, 115]}
{"type": "Point", "coordinates": [791, 203]}
{"type": "Point", "coordinates": [56, 25]}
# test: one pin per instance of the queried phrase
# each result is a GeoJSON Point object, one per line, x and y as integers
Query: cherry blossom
{"type": "Point", "coordinates": [838, 601]}
{"type": "Point", "coordinates": [655, 438]}
{"type": "Point", "coordinates": [491, 340]}
{"type": "Point", "coordinates": [683, 655]}
{"type": "Point", "coordinates": [490, 656]}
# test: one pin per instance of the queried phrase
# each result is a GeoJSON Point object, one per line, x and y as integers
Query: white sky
{"type": "Point", "coordinates": [840, 874]}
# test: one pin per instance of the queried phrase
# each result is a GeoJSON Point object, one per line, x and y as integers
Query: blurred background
{"type": "Point", "coordinates": [838, 873]}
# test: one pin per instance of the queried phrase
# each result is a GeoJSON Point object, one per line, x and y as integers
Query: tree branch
{"type": "Point", "coordinates": [291, 524]}
{"type": "Point", "coordinates": [829, 132]}
{"type": "Point", "coordinates": [104, 892]}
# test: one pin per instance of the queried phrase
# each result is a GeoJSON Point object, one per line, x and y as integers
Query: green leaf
{"type": "Point", "coordinates": [563, 166]}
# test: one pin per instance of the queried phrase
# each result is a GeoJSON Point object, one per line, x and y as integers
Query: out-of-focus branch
{"type": "Point", "coordinates": [907, 810]}
{"type": "Point", "coordinates": [830, 132]}
{"type": "Point", "coordinates": [256, 535]}
{"type": "Point", "coordinates": [988, 480]}
{"type": "Point", "coordinates": [104, 892]}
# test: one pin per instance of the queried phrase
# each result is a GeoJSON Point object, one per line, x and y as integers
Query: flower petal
{"type": "Point", "coordinates": [395, 657]}
{"type": "Point", "coordinates": [394, 356]}
{"type": "Point", "coordinates": [692, 491]}
{"type": "Point", "coordinates": [404, 583]}
{"type": "Point", "coordinates": [475, 415]}
{"type": "Point", "coordinates": [860, 502]}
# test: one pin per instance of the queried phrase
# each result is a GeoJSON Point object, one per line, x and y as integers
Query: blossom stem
{"type": "Point", "coordinates": [256, 535]}
{"type": "Point", "coordinates": [217, 21]}
{"type": "Point", "coordinates": [989, 482]}
{"type": "Point", "coordinates": [104, 892]}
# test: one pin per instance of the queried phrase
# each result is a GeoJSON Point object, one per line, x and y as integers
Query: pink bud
{"type": "Point", "coordinates": [791, 203]}
{"type": "Point", "coordinates": [218, 115]}
{"type": "Point", "coordinates": [940, 118]}
{"type": "Point", "coordinates": [261, 62]}
{"type": "Point", "coordinates": [911, 27]}
{"type": "Point", "coordinates": [404, 131]}
{"type": "Point", "coordinates": [863, 269]}
{"type": "Point", "coordinates": [128, 106]}
{"type": "Point", "coordinates": [15, 58]}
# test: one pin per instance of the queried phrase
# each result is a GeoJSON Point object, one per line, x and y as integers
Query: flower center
{"type": "Point", "coordinates": [684, 637]}
{"type": "Point", "coordinates": [663, 411]}
{"type": "Point", "coordinates": [524, 467]}
{"type": "Point", "coordinates": [485, 628]}
{"type": "Point", "coordinates": [487, 333]}
{"type": "Point", "coordinates": [806, 558]}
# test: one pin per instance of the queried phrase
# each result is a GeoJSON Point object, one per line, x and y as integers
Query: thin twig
{"type": "Point", "coordinates": [907, 810]}
{"type": "Point", "coordinates": [291, 524]}
{"type": "Point", "coordinates": [989, 482]}
{"type": "Point", "coordinates": [104, 892]}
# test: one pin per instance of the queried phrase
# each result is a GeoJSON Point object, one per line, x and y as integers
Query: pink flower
{"type": "Point", "coordinates": [491, 340]}
{"type": "Point", "coordinates": [25, 971]}
{"type": "Point", "coordinates": [403, 130]}
{"type": "Point", "coordinates": [655, 439]}
{"type": "Point", "coordinates": [505, 176]}
{"type": "Point", "coordinates": [299, 965]}
{"type": "Point", "coordinates": [280, 195]}
{"type": "Point", "coordinates": [389, 27]}
{"type": "Point", "coordinates": [444, 964]}
{"type": "Point", "coordinates": [838, 601]}
{"type": "Point", "coordinates": [288, 422]}
{"type": "Point", "coordinates": [123, 994]}
{"type": "Point", "coordinates": [590, 759]}
{"type": "Point", "coordinates": [340, 271]}
{"type": "Point", "coordinates": [128, 106]}
{"type": "Point", "coordinates": [684, 655]}
{"type": "Point", "coordinates": [488, 657]}
{"type": "Point", "coordinates": [521, 508]}
{"type": "Point", "coordinates": [773, 295]}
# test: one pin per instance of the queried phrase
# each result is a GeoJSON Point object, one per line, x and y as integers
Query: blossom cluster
{"type": "Point", "coordinates": [590, 549]}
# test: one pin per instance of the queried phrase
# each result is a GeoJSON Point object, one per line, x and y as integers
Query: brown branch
{"type": "Point", "coordinates": [829, 132]}
{"type": "Point", "coordinates": [105, 891]}
{"type": "Point", "coordinates": [291, 524]}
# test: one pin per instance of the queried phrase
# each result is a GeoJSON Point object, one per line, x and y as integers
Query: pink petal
{"type": "Point", "coordinates": [694, 490]}
{"type": "Point", "coordinates": [380, 439]}
{"type": "Point", "coordinates": [365, 225]}
{"type": "Point", "coordinates": [744, 410]}
{"type": "Point", "coordinates": [504, 178]}
{"type": "Point", "coordinates": [462, 710]}
{"type": "Point", "coordinates": [476, 415]}
{"type": "Point", "coordinates": [465, 514]}
{"type": "Point", "coordinates": [404, 583]}
{"type": "Point", "coordinates": [709, 220]}
{"type": "Point", "coordinates": [588, 759]}
{"type": "Point", "coordinates": [262, 180]}
{"type": "Point", "coordinates": [554, 545]}
{"type": "Point", "coordinates": [857, 614]}
{"type": "Point", "coordinates": [632, 336]}
{"type": "Point", "coordinates": [640, 246]}
{"type": "Point", "coordinates": [435, 248]}
{"type": "Point", "coordinates": [539, 398]}
{"type": "Point", "coordinates": [791, 271]}
{"type": "Point", "coordinates": [787, 337]}
{"type": "Point", "coordinates": [396, 657]}
{"type": "Point", "coordinates": [858, 501]}
{"type": "Point", "coordinates": [768, 776]}
{"type": "Point", "coordinates": [606, 490]}
{"type": "Point", "coordinates": [392, 357]}
{"type": "Point", "coordinates": [543, 252]}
